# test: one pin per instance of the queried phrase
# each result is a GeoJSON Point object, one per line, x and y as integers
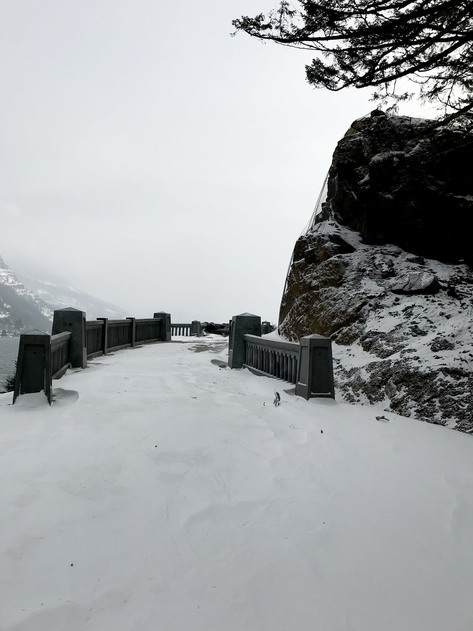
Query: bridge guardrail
{"type": "Point", "coordinates": [273, 358]}
{"type": "Point", "coordinates": [308, 363]}
{"type": "Point", "coordinates": [42, 357]}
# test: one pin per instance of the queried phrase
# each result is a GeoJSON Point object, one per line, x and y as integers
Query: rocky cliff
{"type": "Point", "coordinates": [385, 270]}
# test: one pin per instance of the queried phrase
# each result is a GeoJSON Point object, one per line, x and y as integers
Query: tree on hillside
{"type": "Point", "coordinates": [375, 43]}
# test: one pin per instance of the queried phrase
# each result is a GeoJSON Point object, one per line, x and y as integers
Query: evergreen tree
{"type": "Point", "coordinates": [375, 43]}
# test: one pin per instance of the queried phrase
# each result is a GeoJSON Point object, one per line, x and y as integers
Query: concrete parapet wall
{"type": "Point", "coordinates": [42, 358]}
{"type": "Point", "coordinates": [308, 364]}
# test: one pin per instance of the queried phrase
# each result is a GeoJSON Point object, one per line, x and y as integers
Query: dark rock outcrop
{"type": "Point", "coordinates": [397, 180]}
{"type": "Point", "coordinates": [391, 282]}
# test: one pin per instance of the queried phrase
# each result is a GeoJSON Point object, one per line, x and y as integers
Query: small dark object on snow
{"type": "Point", "coordinates": [321, 431]}
{"type": "Point", "coordinates": [277, 399]}
{"type": "Point", "coordinates": [382, 418]}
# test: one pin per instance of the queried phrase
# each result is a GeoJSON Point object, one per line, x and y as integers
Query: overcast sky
{"type": "Point", "coordinates": [155, 161]}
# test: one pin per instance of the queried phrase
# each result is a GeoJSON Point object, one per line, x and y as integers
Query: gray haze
{"type": "Point", "coordinates": [155, 161]}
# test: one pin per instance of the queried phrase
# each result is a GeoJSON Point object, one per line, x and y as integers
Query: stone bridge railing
{"type": "Point", "coordinates": [189, 329]}
{"type": "Point", "coordinates": [307, 364]}
{"type": "Point", "coordinates": [74, 340]}
{"type": "Point", "coordinates": [272, 357]}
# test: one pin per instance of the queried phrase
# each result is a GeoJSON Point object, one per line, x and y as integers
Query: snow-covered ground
{"type": "Point", "coordinates": [164, 492]}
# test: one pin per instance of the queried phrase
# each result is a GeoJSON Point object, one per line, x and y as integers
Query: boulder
{"type": "Point", "coordinates": [415, 283]}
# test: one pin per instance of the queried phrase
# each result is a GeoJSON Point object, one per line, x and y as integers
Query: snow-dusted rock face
{"type": "Point", "coordinates": [402, 323]}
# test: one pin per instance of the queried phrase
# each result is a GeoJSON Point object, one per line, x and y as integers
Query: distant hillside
{"type": "Point", "coordinates": [18, 312]}
{"type": "Point", "coordinates": [28, 301]}
{"type": "Point", "coordinates": [20, 309]}
{"type": "Point", "coordinates": [58, 293]}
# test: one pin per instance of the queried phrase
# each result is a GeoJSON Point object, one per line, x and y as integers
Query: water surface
{"type": "Point", "coordinates": [8, 356]}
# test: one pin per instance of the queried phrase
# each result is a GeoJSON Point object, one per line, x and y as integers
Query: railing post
{"type": "Point", "coordinates": [315, 374]}
{"type": "Point", "coordinates": [133, 331]}
{"type": "Point", "coordinates": [73, 320]}
{"type": "Point", "coordinates": [33, 368]}
{"type": "Point", "coordinates": [266, 327]}
{"type": "Point", "coordinates": [165, 334]}
{"type": "Point", "coordinates": [196, 328]}
{"type": "Point", "coordinates": [241, 325]}
{"type": "Point", "coordinates": [104, 334]}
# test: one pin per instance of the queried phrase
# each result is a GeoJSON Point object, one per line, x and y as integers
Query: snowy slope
{"type": "Point", "coordinates": [20, 308]}
{"type": "Point", "coordinates": [164, 492]}
{"type": "Point", "coordinates": [28, 300]}
{"type": "Point", "coordinates": [58, 293]}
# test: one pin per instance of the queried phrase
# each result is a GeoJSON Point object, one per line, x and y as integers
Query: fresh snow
{"type": "Point", "coordinates": [164, 492]}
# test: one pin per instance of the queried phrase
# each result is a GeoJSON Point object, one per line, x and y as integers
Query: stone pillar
{"type": "Point", "coordinates": [73, 320]}
{"type": "Point", "coordinates": [245, 323]}
{"type": "Point", "coordinates": [165, 329]}
{"type": "Point", "coordinates": [33, 367]}
{"type": "Point", "coordinates": [133, 331]}
{"type": "Point", "coordinates": [266, 327]}
{"type": "Point", "coordinates": [315, 372]}
{"type": "Point", "coordinates": [196, 328]}
{"type": "Point", "coordinates": [104, 334]}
